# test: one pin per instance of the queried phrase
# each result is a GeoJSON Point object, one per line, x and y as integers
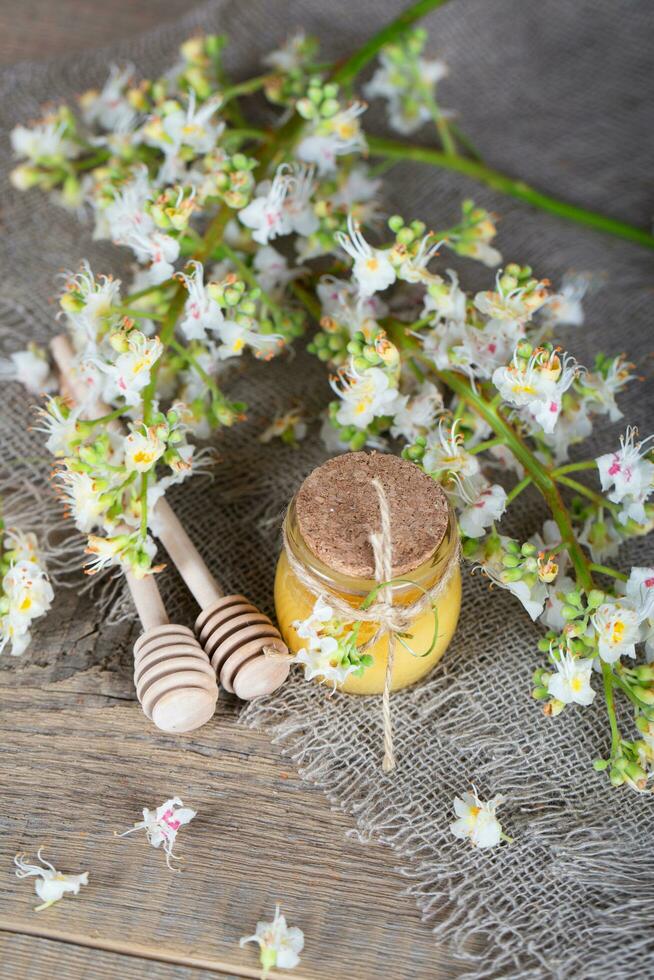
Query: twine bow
{"type": "Point", "coordinates": [391, 620]}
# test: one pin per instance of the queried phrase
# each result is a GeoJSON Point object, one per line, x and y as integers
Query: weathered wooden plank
{"type": "Point", "coordinates": [35, 29]}
{"type": "Point", "coordinates": [33, 957]}
{"type": "Point", "coordinates": [77, 767]}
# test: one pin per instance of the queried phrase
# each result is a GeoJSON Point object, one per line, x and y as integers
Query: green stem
{"type": "Point", "coordinates": [483, 446]}
{"type": "Point", "coordinates": [144, 505]}
{"type": "Point", "coordinates": [195, 364]}
{"type": "Point", "coordinates": [137, 314]}
{"type": "Point", "coordinates": [394, 149]}
{"type": "Point", "coordinates": [116, 414]}
{"type": "Point", "coordinates": [440, 123]}
{"type": "Point", "coordinates": [88, 163]}
{"type": "Point", "coordinates": [611, 572]}
{"type": "Point", "coordinates": [308, 300]}
{"type": "Point", "coordinates": [585, 491]}
{"type": "Point", "coordinates": [518, 488]}
{"type": "Point", "coordinates": [608, 679]}
{"type": "Point", "coordinates": [246, 88]}
{"type": "Point", "coordinates": [587, 464]}
{"type": "Point", "coordinates": [357, 61]}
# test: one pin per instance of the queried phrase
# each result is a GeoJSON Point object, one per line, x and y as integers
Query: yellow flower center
{"type": "Point", "coordinates": [25, 604]}
{"type": "Point", "coordinates": [142, 456]}
{"type": "Point", "coordinates": [617, 633]}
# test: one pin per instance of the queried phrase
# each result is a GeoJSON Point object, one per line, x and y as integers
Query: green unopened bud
{"type": "Point", "coordinates": [306, 108]}
{"type": "Point", "coordinates": [512, 574]}
{"type": "Point", "coordinates": [119, 341]}
{"type": "Point", "coordinates": [358, 441]}
{"type": "Point", "coordinates": [395, 223]}
{"type": "Point", "coordinates": [405, 236]}
{"type": "Point", "coordinates": [616, 777]}
{"type": "Point", "coordinates": [644, 694]}
{"type": "Point", "coordinates": [644, 672]}
{"type": "Point", "coordinates": [529, 550]}
{"type": "Point", "coordinates": [599, 765]}
{"type": "Point", "coordinates": [540, 693]}
{"type": "Point", "coordinates": [329, 108]}
{"type": "Point", "coordinates": [595, 598]}
{"type": "Point", "coordinates": [569, 612]}
{"type": "Point", "coordinates": [511, 561]}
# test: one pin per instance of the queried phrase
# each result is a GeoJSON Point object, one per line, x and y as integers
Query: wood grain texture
{"type": "Point", "coordinates": [34, 956]}
{"type": "Point", "coordinates": [35, 29]}
{"type": "Point", "coordinates": [80, 761]}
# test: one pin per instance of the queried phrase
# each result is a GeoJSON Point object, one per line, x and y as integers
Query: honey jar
{"type": "Point", "coordinates": [328, 554]}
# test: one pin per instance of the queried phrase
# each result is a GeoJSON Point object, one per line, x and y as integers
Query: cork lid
{"type": "Point", "coordinates": [337, 510]}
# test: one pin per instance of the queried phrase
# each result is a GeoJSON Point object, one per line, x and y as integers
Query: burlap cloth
{"type": "Point", "coordinates": [559, 94]}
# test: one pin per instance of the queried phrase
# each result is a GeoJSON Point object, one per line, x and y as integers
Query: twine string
{"type": "Point", "coordinates": [389, 619]}
{"type": "Point", "coordinates": [382, 549]}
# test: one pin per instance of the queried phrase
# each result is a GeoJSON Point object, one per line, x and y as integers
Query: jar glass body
{"type": "Point", "coordinates": [294, 601]}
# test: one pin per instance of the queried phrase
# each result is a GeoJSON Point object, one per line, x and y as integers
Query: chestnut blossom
{"type": "Point", "coordinates": [162, 825]}
{"type": "Point", "coordinates": [51, 885]}
{"type": "Point", "coordinates": [60, 424]}
{"type": "Point", "coordinates": [536, 385]}
{"type": "Point", "coordinates": [364, 397]}
{"type": "Point", "coordinates": [571, 682]}
{"type": "Point", "coordinates": [283, 206]}
{"type": "Point", "coordinates": [617, 623]}
{"type": "Point", "coordinates": [408, 87]}
{"type": "Point", "coordinates": [109, 108]}
{"type": "Point", "coordinates": [564, 308]}
{"type": "Point", "coordinates": [480, 503]}
{"type": "Point", "coordinates": [446, 456]}
{"type": "Point", "coordinates": [44, 141]}
{"type": "Point", "coordinates": [142, 449]}
{"type": "Point", "coordinates": [510, 301]}
{"type": "Point", "coordinates": [130, 373]}
{"type": "Point", "coordinates": [30, 368]}
{"type": "Point", "coordinates": [373, 269]}
{"type": "Point", "coordinates": [414, 414]}
{"type": "Point", "coordinates": [446, 299]}
{"type": "Point", "coordinates": [328, 139]}
{"type": "Point", "coordinates": [272, 270]}
{"type": "Point", "coordinates": [321, 655]}
{"type": "Point", "coordinates": [87, 302]}
{"type": "Point", "coordinates": [201, 313]}
{"type": "Point", "coordinates": [639, 590]}
{"type": "Point", "coordinates": [279, 944]}
{"type": "Point", "coordinates": [25, 590]}
{"type": "Point", "coordinates": [629, 474]}
{"type": "Point", "coordinates": [477, 820]}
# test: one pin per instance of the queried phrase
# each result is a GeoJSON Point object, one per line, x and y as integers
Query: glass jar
{"type": "Point", "coordinates": [294, 601]}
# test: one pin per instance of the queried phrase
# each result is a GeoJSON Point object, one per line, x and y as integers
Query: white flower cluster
{"type": "Point", "coordinates": [329, 649]}
{"type": "Point", "coordinates": [25, 592]}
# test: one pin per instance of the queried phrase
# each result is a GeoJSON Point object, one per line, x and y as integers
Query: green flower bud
{"type": "Point", "coordinates": [358, 441]}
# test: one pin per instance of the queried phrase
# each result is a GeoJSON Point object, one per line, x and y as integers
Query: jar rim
{"type": "Point", "coordinates": [424, 576]}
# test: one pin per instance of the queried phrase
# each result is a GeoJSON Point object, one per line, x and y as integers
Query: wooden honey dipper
{"type": "Point", "coordinates": [174, 680]}
{"type": "Point", "coordinates": [245, 649]}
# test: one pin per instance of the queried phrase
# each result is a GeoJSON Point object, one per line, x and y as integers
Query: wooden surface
{"type": "Point", "coordinates": [80, 761]}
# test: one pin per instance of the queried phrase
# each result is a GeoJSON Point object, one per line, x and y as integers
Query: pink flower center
{"type": "Point", "coordinates": [168, 818]}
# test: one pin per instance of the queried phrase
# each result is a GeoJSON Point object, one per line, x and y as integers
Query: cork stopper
{"type": "Point", "coordinates": [337, 511]}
